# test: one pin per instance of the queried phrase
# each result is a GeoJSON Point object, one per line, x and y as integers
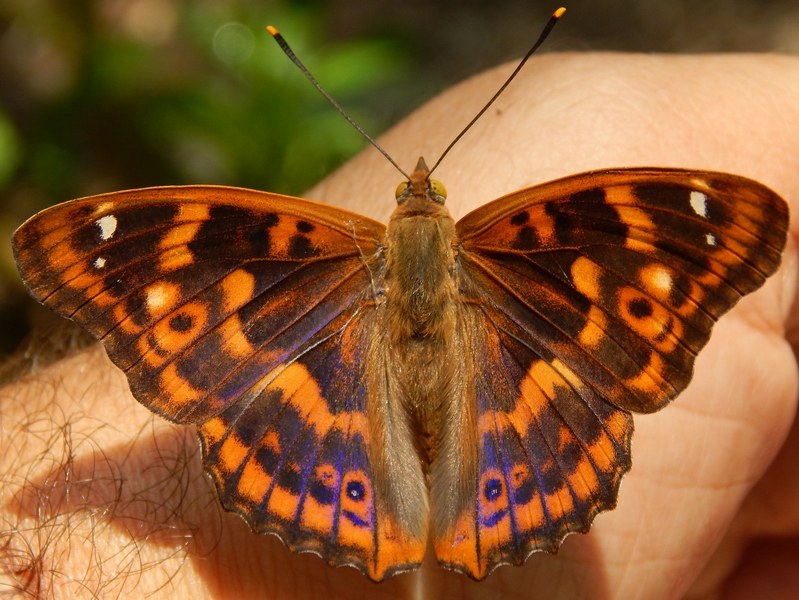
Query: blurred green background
{"type": "Point", "coordinates": [104, 95]}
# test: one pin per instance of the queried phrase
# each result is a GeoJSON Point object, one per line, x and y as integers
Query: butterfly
{"type": "Point", "coordinates": [360, 389]}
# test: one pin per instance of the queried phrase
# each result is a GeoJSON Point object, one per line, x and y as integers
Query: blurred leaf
{"type": "Point", "coordinates": [9, 149]}
{"type": "Point", "coordinates": [113, 95]}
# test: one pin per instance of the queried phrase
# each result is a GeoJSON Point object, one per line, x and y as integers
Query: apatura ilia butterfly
{"type": "Point", "coordinates": [359, 389]}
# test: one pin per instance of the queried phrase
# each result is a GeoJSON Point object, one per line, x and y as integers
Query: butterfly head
{"type": "Point", "coordinates": [420, 186]}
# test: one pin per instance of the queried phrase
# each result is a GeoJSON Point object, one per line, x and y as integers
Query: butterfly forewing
{"type": "Point", "coordinates": [174, 279]}
{"type": "Point", "coordinates": [595, 294]}
{"type": "Point", "coordinates": [624, 271]}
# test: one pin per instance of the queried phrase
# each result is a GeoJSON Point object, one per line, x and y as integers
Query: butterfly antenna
{"type": "Point", "coordinates": [544, 34]}
{"type": "Point", "coordinates": [293, 57]}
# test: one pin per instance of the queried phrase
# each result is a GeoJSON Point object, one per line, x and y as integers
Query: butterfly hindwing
{"type": "Point", "coordinates": [592, 296]}
{"type": "Point", "coordinates": [551, 454]}
{"type": "Point", "coordinates": [295, 459]}
{"type": "Point", "coordinates": [246, 313]}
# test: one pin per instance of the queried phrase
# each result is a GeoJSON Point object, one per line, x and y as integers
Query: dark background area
{"type": "Point", "coordinates": [103, 95]}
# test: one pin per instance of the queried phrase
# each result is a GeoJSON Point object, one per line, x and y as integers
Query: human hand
{"type": "Point", "coordinates": [110, 504]}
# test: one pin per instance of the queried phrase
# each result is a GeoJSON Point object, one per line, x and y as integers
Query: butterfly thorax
{"type": "Point", "coordinates": [419, 259]}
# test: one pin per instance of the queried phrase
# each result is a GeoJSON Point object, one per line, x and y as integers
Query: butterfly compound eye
{"type": "Point", "coordinates": [437, 190]}
{"type": "Point", "coordinates": [401, 188]}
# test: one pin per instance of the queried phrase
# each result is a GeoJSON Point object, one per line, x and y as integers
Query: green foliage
{"type": "Point", "coordinates": [9, 149]}
{"type": "Point", "coordinates": [104, 96]}
{"type": "Point", "coordinates": [191, 93]}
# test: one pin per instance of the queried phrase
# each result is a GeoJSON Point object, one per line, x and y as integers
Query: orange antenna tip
{"type": "Point", "coordinates": [559, 13]}
{"type": "Point", "coordinates": [272, 30]}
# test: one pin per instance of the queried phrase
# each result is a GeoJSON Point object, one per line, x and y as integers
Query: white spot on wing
{"type": "Point", "coordinates": [107, 225]}
{"type": "Point", "coordinates": [710, 239]}
{"type": "Point", "coordinates": [99, 262]}
{"type": "Point", "coordinates": [699, 203]}
{"type": "Point", "coordinates": [661, 279]}
{"type": "Point", "coordinates": [156, 297]}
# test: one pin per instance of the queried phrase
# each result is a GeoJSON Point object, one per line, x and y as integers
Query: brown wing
{"type": "Point", "coordinates": [250, 314]}
{"type": "Point", "coordinates": [589, 297]}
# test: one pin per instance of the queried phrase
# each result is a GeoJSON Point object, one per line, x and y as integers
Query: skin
{"type": "Point", "coordinates": [99, 497]}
